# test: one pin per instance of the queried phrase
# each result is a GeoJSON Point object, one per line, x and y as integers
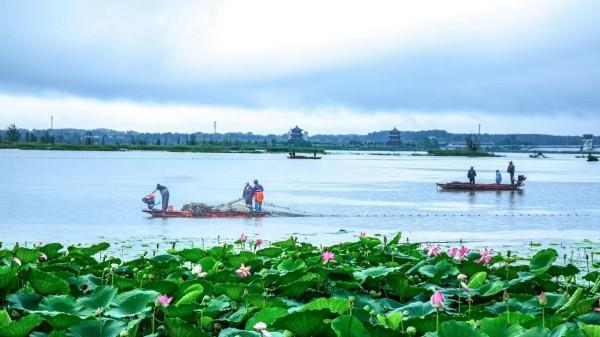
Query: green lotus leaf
{"type": "Point", "coordinates": [373, 272]}
{"type": "Point", "coordinates": [416, 309]}
{"type": "Point", "coordinates": [8, 275]}
{"type": "Point", "coordinates": [349, 326]}
{"type": "Point", "coordinates": [190, 297]}
{"type": "Point", "coordinates": [232, 332]}
{"type": "Point", "coordinates": [456, 329]}
{"type": "Point", "coordinates": [101, 297]}
{"type": "Point", "coordinates": [62, 321]}
{"type": "Point", "coordinates": [491, 289]}
{"type": "Point", "coordinates": [289, 265]}
{"type": "Point", "coordinates": [267, 315]}
{"type": "Point", "coordinates": [499, 327]}
{"type": "Point", "coordinates": [27, 255]}
{"type": "Point", "coordinates": [542, 261]}
{"type": "Point", "coordinates": [63, 304]}
{"type": "Point", "coordinates": [51, 250]}
{"type": "Point", "coordinates": [304, 323]}
{"type": "Point", "coordinates": [271, 252]}
{"type": "Point", "coordinates": [402, 287]}
{"type": "Point", "coordinates": [162, 286]}
{"type": "Point", "coordinates": [22, 327]}
{"type": "Point", "coordinates": [47, 283]}
{"type": "Point", "coordinates": [183, 311]}
{"type": "Point", "coordinates": [295, 289]}
{"type": "Point", "coordinates": [97, 328]}
{"type": "Point", "coordinates": [535, 332]}
{"type": "Point", "coordinates": [477, 280]}
{"type": "Point", "coordinates": [179, 328]}
{"type": "Point", "coordinates": [4, 318]}
{"type": "Point", "coordinates": [191, 254]}
{"type": "Point", "coordinates": [24, 301]}
{"type": "Point", "coordinates": [336, 305]}
{"type": "Point", "coordinates": [131, 303]}
{"type": "Point", "coordinates": [89, 251]}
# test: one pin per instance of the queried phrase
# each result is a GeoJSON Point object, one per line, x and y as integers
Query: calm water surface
{"type": "Point", "coordinates": [88, 196]}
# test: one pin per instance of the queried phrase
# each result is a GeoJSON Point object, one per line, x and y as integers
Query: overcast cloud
{"type": "Point", "coordinates": [425, 64]}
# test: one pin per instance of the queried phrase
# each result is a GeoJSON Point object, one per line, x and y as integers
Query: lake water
{"type": "Point", "coordinates": [87, 196]}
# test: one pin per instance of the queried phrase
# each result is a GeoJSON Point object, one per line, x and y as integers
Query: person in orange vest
{"type": "Point", "coordinates": [259, 196]}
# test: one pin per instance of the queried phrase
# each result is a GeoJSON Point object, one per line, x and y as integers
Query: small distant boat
{"type": "Point", "coordinates": [592, 158]}
{"type": "Point", "coordinates": [295, 156]}
{"type": "Point", "coordinates": [538, 155]}
{"type": "Point", "coordinates": [460, 186]}
{"type": "Point", "coordinates": [157, 213]}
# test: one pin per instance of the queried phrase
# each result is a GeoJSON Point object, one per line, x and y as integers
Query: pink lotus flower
{"type": "Point", "coordinates": [462, 253]}
{"type": "Point", "coordinates": [452, 251]}
{"type": "Point", "coordinates": [260, 326]}
{"type": "Point", "coordinates": [432, 249]}
{"type": "Point", "coordinates": [243, 238]}
{"type": "Point", "coordinates": [164, 300]}
{"type": "Point", "coordinates": [542, 299]}
{"type": "Point", "coordinates": [462, 277]}
{"type": "Point", "coordinates": [257, 243]}
{"type": "Point", "coordinates": [197, 270]}
{"type": "Point", "coordinates": [243, 271]}
{"type": "Point", "coordinates": [328, 257]}
{"type": "Point", "coordinates": [437, 299]}
{"type": "Point", "coordinates": [486, 255]}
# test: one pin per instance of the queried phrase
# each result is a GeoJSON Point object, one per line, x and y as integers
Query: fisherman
{"type": "Point", "coordinates": [259, 196]}
{"type": "Point", "coordinates": [248, 194]}
{"type": "Point", "coordinates": [498, 177]}
{"type": "Point", "coordinates": [511, 171]}
{"type": "Point", "coordinates": [164, 196]}
{"type": "Point", "coordinates": [471, 174]}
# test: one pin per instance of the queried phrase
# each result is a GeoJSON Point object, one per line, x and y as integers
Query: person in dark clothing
{"type": "Point", "coordinates": [258, 196]}
{"type": "Point", "coordinates": [248, 194]}
{"type": "Point", "coordinates": [511, 171]}
{"type": "Point", "coordinates": [164, 196]}
{"type": "Point", "coordinates": [471, 174]}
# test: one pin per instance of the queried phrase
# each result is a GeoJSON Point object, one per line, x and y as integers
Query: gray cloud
{"type": "Point", "coordinates": [556, 69]}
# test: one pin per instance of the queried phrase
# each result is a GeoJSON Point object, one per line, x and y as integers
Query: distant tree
{"type": "Point", "coordinates": [193, 141]}
{"type": "Point", "coordinates": [27, 136]}
{"type": "Point", "coordinates": [157, 141]}
{"type": "Point", "coordinates": [33, 138]}
{"type": "Point", "coordinates": [87, 140]}
{"type": "Point", "coordinates": [13, 134]}
{"type": "Point", "coordinates": [472, 144]}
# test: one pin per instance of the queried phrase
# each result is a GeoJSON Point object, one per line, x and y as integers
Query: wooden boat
{"type": "Point", "coordinates": [303, 157]}
{"type": "Point", "coordinates": [592, 158]}
{"type": "Point", "coordinates": [460, 186]}
{"type": "Point", "coordinates": [157, 213]}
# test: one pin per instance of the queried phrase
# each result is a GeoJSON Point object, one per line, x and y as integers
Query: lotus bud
{"type": "Point", "coordinates": [372, 312]}
{"type": "Point", "coordinates": [505, 296]}
{"type": "Point", "coordinates": [205, 298]}
{"type": "Point", "coordinates": [366, 308]}
{"type": "Point", "coordinates": [411, 330]}
{"type": "Point", "coordinates": [542, 299]}
{"type": "Point", "coordinates": [16, 260]}
{"type": "Point", "coordinates": [462, 277]}
{"type": "Point", "coordinates": [123, 333]}
{"type": "Point", "coordinates": [99, 311]}
{"type": "Point", "coordinates": [15, 314]}
{"type": "Point", "coordinates": [42, 258]}
{"type": "Point", "coordinates": [72, 259]}
{"type": "Point", "coordinates": [260, 326]}
{"type": "Point", "coordinates": [136, 269]}
{"type": "Point", "coordinates": [114, 266]}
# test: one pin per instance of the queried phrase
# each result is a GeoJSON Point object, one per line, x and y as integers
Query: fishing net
{"type": "Point", "coordinates": [199, 208]}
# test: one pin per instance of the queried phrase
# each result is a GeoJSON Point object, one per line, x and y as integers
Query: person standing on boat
{"type": "Point", "coordinates": [248, 194]}
{"type": "Point", "coordinates": [498, 177]}
{"type": "Point", "coordinates": [259, 196]}
{"type": "Point", "coordinates": [164, 196]}
{"type": "Point", "coordinates": [471, 174]}
{"type": "Point", "coordinates": [511, 171]}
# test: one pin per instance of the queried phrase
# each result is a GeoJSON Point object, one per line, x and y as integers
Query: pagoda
{"type": "Point", "coordinates": [296, 136]}
{"type": "Point", "coordinates": [394, 138]}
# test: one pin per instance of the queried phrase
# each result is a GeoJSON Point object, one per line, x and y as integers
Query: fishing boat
{"type": "Point", "coordinates": [461, 186]}
{"type": "Point", "coordinates": [303, 157]}
{"type": "Point", "coordinates": [591, 157]}
{"type": "Point", "coordinates": [157, 213]}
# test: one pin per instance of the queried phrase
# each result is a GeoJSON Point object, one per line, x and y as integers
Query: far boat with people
{"type": "Point", "coordinates": [497, 186]}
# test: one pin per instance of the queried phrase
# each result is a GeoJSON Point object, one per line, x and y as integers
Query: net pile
{"type": "Point", "coordinates": [199, 208]}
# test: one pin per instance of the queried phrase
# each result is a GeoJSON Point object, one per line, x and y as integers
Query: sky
{"type": "Point", "coordinates": [263, 66]}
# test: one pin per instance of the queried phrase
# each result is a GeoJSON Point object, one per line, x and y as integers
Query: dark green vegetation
{"type": "Point", "coordinates": [461, 153]}
{"type": "Point", "coordinates": [204, 148]}
{"type": "Point", "coordinates": [362, 288]}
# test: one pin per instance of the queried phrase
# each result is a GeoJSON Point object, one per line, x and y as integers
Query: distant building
{"type": "Point", "coordinates": [588, 142]}
{"type": "Point", "coordinates": [394, 138]}
{"type": "Point", "coordinates": [296, 136]}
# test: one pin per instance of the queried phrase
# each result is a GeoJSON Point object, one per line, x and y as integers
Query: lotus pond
{"type": "Point", "coordinates": [369, 287]}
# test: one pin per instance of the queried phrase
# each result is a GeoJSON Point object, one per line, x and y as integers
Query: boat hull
{"type": "Point", "coordinates": [478, 187]}
{"type": "Point", "coordinates": [206, 215]}
{"type": "Point", "coordinates": [303, 157]}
